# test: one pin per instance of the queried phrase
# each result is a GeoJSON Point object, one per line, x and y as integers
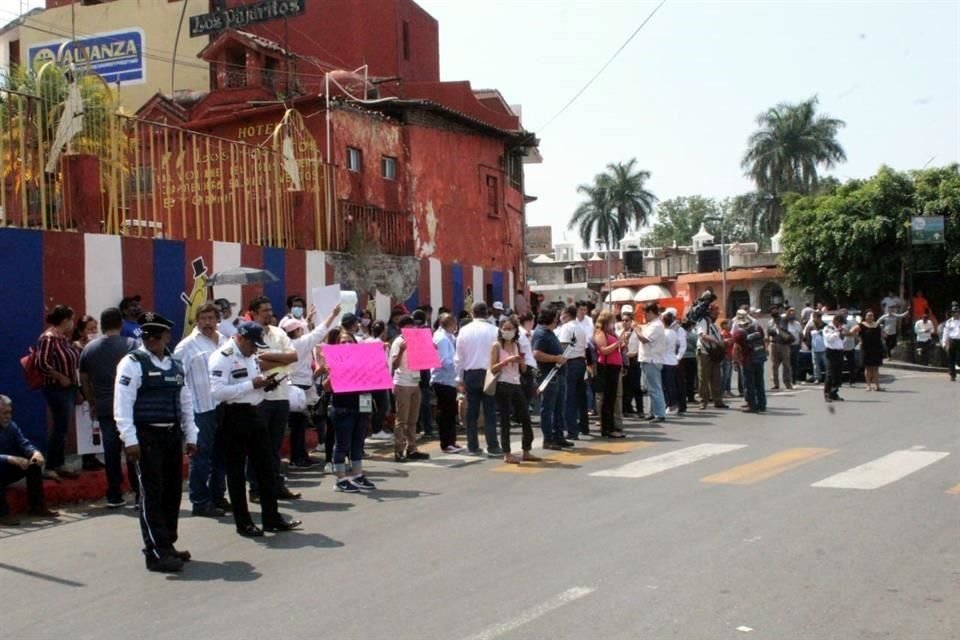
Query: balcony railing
{"type": "Point", "coordinates": [361, 228]}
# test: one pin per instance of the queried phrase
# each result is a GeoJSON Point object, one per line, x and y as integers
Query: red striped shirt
{"type": "Point", "coordinates": [57, 354]}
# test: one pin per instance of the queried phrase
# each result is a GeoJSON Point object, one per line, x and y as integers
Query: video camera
{"type": "Point", "coordinates": [700, 309]}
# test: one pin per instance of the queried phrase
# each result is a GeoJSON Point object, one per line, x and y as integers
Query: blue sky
{"type": "Point", "coordinates": [683, 97]}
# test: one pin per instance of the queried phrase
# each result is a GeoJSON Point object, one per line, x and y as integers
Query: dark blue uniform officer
{"type": "Point", "coordinates": [154, 413]}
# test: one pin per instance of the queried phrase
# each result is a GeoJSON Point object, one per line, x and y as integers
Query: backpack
{"type": "Point", "coordinates": [755, 344]}
{"type": "Point", "coordinates": [31, 372]}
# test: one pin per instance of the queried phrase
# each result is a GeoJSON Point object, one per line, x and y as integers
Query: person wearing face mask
{"type": "Point", "coordinates": [507, 361]}
{"type": "Point", "coordinates": [444, 382]}
{"type": "Point", "coordinates": [609, 365]}
{"type": "Point", "coordinates": [297, 306]}
{"type": "Point", "coordinates": [363, 332]}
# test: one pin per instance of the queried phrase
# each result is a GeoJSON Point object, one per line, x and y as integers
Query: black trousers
{"type": "Point", "coordinates": [245, 439]}
{"type": "Point", "coordinates": [631, 388]}
{"type": "Point", "coordinates": [610, 375]}
{"type": "Point", "coordinates": [160, 474]}
{"type": "Point", "coordinates": [276, 415]}
{"type": "Point", "coordinates": [512, 401]}
{"type": "Point", "coordinates": [446, 414]}
{"type": "Point", "coordinates": [850, 358]}
{"type": "Point", "coordinates": [10, 474]}
{"type": "Point", "coordinates": [689, 379]}
{"type": "Point", "coordinates": [834, 373]}
{"type": "Point", "coordinates": [953, 357]}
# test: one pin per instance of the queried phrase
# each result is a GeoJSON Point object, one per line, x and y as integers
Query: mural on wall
{"type": "Point", "coordinates": [197, 297]}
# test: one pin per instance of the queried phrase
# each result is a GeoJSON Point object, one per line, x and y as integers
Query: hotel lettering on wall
{"type": "Point", "coordinates": [239, 17]}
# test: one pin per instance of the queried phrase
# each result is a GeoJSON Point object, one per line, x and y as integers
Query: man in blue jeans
{"type": "Point", "coordinates": [98, 370]}
{"type": "Point", "coordinates": [208, 482]}
{"type": "Point", "coordinates": [573, 338]}
{"type": "Point", "coordinates": [653, 339]}
{"type": "Point", "coordinates": [548, 352]}
{"type": "Point", "coordinates": [471, 361]}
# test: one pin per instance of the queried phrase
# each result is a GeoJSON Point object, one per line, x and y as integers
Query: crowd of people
{"type": "Point", "coordinates": [236, 388]}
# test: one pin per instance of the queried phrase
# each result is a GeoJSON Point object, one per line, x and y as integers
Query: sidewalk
{"type": "Point", "coordinates": [911, 366]}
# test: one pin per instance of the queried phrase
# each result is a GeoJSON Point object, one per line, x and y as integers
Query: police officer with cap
{"type": "Point", "coordinates": [154, 413]}
{"type": "Point", "coordinates": [236, 381]}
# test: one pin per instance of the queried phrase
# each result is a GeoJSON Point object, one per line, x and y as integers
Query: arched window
{"type": "Point", "coordinates": [770, 294]}
{"type": "Point", "coordinates": [738, 297]}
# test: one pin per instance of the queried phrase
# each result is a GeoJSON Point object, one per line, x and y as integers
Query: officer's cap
{"type": "Point", "coordinates": [153, 324]}
{"type": "Point", "coordinates": [253, 332]}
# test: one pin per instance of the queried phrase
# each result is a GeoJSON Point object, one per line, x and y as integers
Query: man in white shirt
{"type": "Point", "coordinates": [891, 303]}
{"type": "Point", "coordinates": [406, 392]}
{"type": "Point", "coordinates": [497, 313]}
{"type": "Point", "coordinates": [924, 329]}
{"type": "Point", "coordinates": [276, 359]}
{"type": "Point", "coordinates": [227, 328]}
{"type": "Point", "coordinates": [573, 339]}
{"type": "Point", "coordinates": [208, 483]}
{"type": "Point", "coordinates": [833, 335]}
{"type": "Point", "coordinates": [950, 339]}
{"type": "Point", "coordinates": [472, 361]}
{"type": "Point", "coordinates": [632, 394]}
{"type": "Point", "coordinates": [795, 329]}
{"type": "Point", "coordinates": [652, 339]}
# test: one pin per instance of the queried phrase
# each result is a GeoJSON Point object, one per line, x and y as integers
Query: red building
{"type": "Point", "coordinates": [421, 169]}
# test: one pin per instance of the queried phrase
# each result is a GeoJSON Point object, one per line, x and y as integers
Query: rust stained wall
{"type": "Point", "coordinates": [447, 174]}
{"type": "Point", "coordinates": [376, 137]}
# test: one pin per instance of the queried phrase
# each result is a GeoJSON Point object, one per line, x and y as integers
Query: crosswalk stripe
{"type": "Point", "coordinates": [767, 467]}
{"type": "Point", "coordinates": [663, 462]}
{"type": "Point", "coordinates": [446, 461]}
{"type": "Point", "coordinates": [882, 471]}
{"type": "Point", "coordinates": [572, 458]}
{"type": "Point", "coordinates": [954, 491]}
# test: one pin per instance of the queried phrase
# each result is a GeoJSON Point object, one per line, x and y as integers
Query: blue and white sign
{"type": "Point", "coordinates": [117, 56]}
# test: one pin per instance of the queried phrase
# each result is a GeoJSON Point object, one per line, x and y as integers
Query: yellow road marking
{"type": "Point", "coordinates": [768, 467]}
{"type": "Point", "coordinates": [573, 458]}
{"type": "Point", "coordinates": [954, 491]}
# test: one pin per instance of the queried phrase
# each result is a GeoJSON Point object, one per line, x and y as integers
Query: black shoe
{"type": "Point", "coordinates": [92, 464]}
{"type": "Point", "coordinates": [250, 531]}
{"type": "Point", "coordinates": [661, 419]}
{"type": "Point", "coordinates": [301, 465]}
{"type": "Point", "coordinates": [254, 497]}
{"type": "Point", "coordinates": [183, 555]}
{"type": "Point", "coordinates": [223, 503]}
{"type": "Point", "coordinates": [282, 525]}
{"type": "Point", "coordinates": [553, 446]}
{"type": "Point", "coordinates": [399, 457]}
{"type": "Point", "coordinates": [494, 452]}
{"type": "Point", "coordinates": [207, 511]}
{"type": "Point", "coordinates": [616, 434]}
{"type": "Point", "coordinates": [7, 520]}
{"type": "Point", "coordinates": [565, 444]}
{"type": "Point", "coordinates": [166, 564]}
{"type": "Point", "coordinates": [286, 494]}
{"type": "Point", "coordinates": [418, 455]}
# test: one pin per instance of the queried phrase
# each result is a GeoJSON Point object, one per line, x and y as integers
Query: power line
{"type": "Point", "coordinates": [604, 67]}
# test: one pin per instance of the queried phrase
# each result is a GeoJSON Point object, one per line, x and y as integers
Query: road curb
{"type": "Point", "coordinates": [909, 366]}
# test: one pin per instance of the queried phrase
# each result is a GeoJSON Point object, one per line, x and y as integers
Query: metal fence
{"type": "Point", "coordinates": [362, 228]}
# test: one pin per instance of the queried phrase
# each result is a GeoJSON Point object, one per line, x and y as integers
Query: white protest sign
{"type": "Point", "coordinates": [324, 299]}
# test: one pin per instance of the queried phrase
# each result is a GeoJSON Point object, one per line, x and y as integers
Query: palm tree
{"type": "Point", "coordinates": [783, 155]}
{"type": "Point", "coordinates": [616, 202]}
{"type": "Point", "coordinates": [632, 203]}
{"type": "Point", "coordinates": [595, 218]}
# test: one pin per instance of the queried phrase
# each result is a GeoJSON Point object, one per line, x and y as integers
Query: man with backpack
{"type": "Point", "coordinates": [750, 354]}
{"type": "Point", "coordinates": [781, 340]}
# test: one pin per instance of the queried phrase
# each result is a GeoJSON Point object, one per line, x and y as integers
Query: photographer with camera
{"type": "Point", "coordinates": [711, 352]}
{"type": "Point", "coordinates": [781, 340]}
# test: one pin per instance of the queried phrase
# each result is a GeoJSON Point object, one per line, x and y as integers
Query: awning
{"type": "Point", "coordinates": [622, 294]}
{"type": "Point", "coordinates": [651, 292]}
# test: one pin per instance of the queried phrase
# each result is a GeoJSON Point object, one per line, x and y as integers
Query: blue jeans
{"type": "Point", "coordinates": [654, 381]}
{"type": "Point", "coordinates": [726, 376]}
{"type": "Point", "coordinates": [351, 427]}
{"type": "Point", "coordinates": [552, 402]}
{"type": "Point", "coordinates": [426, 409]}
{"type": "Point", "coordinates": [61, 401]}
{"type": "Point", "coordinates": [112, 460]}
{"type": "Point", "coordinates": [754, 391]}
{"type": "Point", "coordinates": [819, 366]}
{"type": "Point", "coordinates": [208, 480]}
{"type": "Point", "coordinates": [473, 381]}
{"type": "Point", "coordinates": [575, 413]}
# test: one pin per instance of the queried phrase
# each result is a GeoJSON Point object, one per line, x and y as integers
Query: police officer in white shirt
{"type": "Point", "coordinates": [833, 337]}
{"type": "Point", "coordinates": [154, 413]}
{"type": "Point", "coordinates": [924, 329]}
{"type": "Point", "coordinates": [950, 339]}
{"type": "Point", "coordinates": [236, 381]}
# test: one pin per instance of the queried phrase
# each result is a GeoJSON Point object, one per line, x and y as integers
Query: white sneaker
{"type": "Point", "coordinates": [453, 449]}
{"type": "Point", "coordinates": [672, 411]}
{"type": "Point", "coordinates": [382, 435]}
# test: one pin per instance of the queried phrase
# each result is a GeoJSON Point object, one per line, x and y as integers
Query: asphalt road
{"type": "Point", "coordinates": [798, 524]}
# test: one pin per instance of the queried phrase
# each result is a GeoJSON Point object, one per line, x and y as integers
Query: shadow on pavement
{"type": "Point", "coordinates": [389, 495]}
{"type": "Point", "coordinates": [315, 506]}
{"type": "Point", "coordinates": [298, 540]}
{"type": "Point", "coordinates": [229, 571]}
{"type": "Point", "coordinates": [40, 576]}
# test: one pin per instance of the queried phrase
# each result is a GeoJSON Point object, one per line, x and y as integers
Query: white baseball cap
{"type": "Point", "coordinates": [498, 305]}
{"type": "Point", "coordinates": [626, 309]}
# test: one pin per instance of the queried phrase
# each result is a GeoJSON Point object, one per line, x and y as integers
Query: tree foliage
{"type": "Point", "coordinates": [784, 154]}
{"type": "Point", "coordinates": [616, 202]}
{"type": "Point", "coordinates": [679, 219]}
{"type": "Point", "coordinates": [850, 243]}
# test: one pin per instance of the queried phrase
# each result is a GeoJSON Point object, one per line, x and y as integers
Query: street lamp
{"type": "Point", "coordinates": [723, 258]}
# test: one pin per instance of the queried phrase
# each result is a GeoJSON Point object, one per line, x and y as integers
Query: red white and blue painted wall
{"type": "Point", "coordinates": [91, 272]}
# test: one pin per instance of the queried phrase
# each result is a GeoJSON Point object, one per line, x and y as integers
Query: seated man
{"type": "Point", "coordinates": [19, 458]}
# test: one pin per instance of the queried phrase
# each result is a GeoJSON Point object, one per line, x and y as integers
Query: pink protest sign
{"type": "Point", "coordinates": [357, 367]}
{"type": "Point", "coordinates": [421, 352]}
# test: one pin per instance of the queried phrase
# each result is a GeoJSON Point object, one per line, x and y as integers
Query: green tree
{"type": "Point", "coordinates": [617, 201]}
{"type": "Point", "coordinates": [785, 153]}
{"type": "Point", "coordinates": [851, 244]}
{"type": "Point", "coordinates": [679, 219]}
